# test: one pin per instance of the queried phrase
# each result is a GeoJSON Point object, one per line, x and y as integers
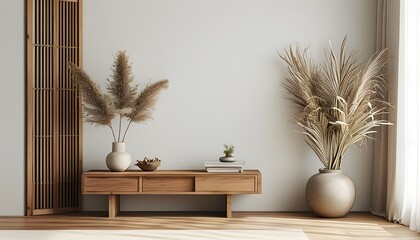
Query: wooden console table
{"type": "Point", "coordinates": [182, 182]}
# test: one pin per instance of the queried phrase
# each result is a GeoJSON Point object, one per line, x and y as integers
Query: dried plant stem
{"type": "Point", "coordinates": [119, 128]}
{"type": "Point", "coordinates": [125, 132]}
{"type": "Point", "coordinates": [112, 130]}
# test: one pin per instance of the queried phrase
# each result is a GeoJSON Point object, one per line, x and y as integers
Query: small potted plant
{"type": "Point", "coordinates": [228, 154]}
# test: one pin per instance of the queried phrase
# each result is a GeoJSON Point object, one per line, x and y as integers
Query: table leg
{"type": "Point", "coordinates": [113, 205]}
{"type": "Point", "coordinates": [228, 205]}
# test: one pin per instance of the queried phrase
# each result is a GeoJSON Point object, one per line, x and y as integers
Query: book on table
{"type": "Point", "coordinates": [224, 167]}
{"type": "Point", "coordinates": [224, 170]}
{"type": "Point", "coordinates": [224, 164]}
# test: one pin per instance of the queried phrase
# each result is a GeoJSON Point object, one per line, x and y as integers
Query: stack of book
{"type": "Point", "coordinates": [224, 167]}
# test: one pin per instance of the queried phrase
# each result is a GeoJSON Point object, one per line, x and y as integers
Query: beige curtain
{"type": "Point", "coordinates": [396, 169]}
{"type": "Point", "coordinates": [387, 36]}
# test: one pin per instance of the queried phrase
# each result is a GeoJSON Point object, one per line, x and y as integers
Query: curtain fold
{"type": "Point", "coordinates": [396, 167]}
{"type": "Point", "coordinates": [384, 154]}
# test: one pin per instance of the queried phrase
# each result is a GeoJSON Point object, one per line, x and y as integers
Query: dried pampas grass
{"type": "Point", "coordinates": [120, 84]}
{"type": "Point", "coordinates": [98, 107]}
{"type": "Point", "coordinates": [123, 100]}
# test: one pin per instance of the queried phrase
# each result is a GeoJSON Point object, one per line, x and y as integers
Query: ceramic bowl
{"type": "Point", "coordinates": [148, 164]}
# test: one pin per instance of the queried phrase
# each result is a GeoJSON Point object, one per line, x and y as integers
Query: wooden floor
{"type": "Point", "coordinates": [353, 226]}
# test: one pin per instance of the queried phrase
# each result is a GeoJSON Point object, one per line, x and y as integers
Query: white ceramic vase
{"type": "Point", "coordinates": [118, 160]}
{"type": "Point", "coordinates": [330, 193]}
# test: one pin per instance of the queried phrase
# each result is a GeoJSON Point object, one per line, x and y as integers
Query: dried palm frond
{"type": "Point", "coordinates": [339, 102]}
{"type": "Point", "coordinates": [120, 85]}
{"type": "Point", "coordinates": [98, 107]}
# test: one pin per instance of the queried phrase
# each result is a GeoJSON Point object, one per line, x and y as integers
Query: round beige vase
{"type": "Point", "coordinates": [118, 160]}
{"type": "Point", "coordinates": [330, 193]}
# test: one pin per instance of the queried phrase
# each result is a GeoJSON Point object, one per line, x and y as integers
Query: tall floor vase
{"type": "Point", "coordinates": [330, 193]}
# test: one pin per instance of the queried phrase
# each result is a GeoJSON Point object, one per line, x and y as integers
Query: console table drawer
{"type": "Point", "coordinates": [168, 184]}
{"type": "Point", "coordinates": [110, 184]}
{"type": "Point", "coordinates": [225, 184]}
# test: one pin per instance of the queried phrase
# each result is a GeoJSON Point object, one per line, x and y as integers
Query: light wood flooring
{"type": "Point", "coordinates": [353, 226]}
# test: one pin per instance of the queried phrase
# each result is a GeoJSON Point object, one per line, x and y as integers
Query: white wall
{"type": "Point", "coordinates": [12, 105]}
{"type": "Point", "coordinates": [220, 58]}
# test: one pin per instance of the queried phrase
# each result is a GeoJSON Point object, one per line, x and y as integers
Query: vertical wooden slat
{"type": "Point", "coordinates": [63, 140]}
{"type": "Point", "coordinates": [29, 108]}
{"type": "Point", "coordinates": [70, 121]}
{"type": "Point", "coordinates": [43, 94]}
{"type": "Point", "coordinates": [35, 109]}
{"type": "Point", "coordinates": [66, 110]}
{"type": "Point", "coordinates": [68, 92]}
{"type": "Point", "coordinates": [63, 126]}
{"type": "Point", "coordinates": [67, 122]}
{"type": "Point", "coordinates": [37, 81]}
{"type": "Point", "coordinates": [39, 139]}
{"type": "Point", "coordinates": [64, 149]}
{"type": "Point", "coordinates": [58, 158]}
{"type": "Point", "coordinates": [41, 120]}
{"type": "Point", "coordinates": [62, 109]}
{"type": "Point", "coordinates": [42, 42]}
{"type": "Point", "coordinates": [63, 95]}
{"type": "Point", "coordinates": [68, 96]}
{"type": "Point", "coordinates": [55, 76]}
{"type": "Point", "coordinates": [45, 98]}
{"type": "Point", "coordinates": [74, 118]}
{"type": "Point", "coordinates": [62, 30]}
{"type": "Point", "coordinates": [80, 120]}
{"type": "Point", "coordinates": [50, 102]}
{"type": "Point", "coordinates": [47, 106]}
{"type": "Point", "coordinates": [38, 30]}
{"type": "Point", "coordinates": [72, 166]}
{"type": "Point", "coordinates": [40, 107]}
{"type": "Point", "coordinates": [50, 99]}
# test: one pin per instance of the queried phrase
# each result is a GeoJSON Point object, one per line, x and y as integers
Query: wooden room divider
{"type": "Point", "coordinates": [54, 121]}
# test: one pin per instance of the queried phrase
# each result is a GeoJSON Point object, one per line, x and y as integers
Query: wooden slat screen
{"type": "Point", "coordinates": [53, 106]}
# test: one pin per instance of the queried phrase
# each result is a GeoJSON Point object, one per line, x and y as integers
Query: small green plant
{"type": "Point", "coordinates": [228, 150]}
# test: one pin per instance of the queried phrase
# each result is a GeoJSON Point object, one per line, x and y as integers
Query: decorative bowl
{"type": "Point", "coordinates": [148, 164]}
